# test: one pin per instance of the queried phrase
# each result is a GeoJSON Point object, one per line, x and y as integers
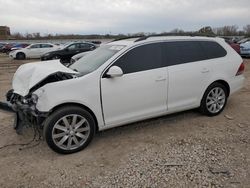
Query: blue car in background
{"type": "Point", "coordinates": [245, 49]}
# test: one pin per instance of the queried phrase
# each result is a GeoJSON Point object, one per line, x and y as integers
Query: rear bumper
{"type": "Point", "coordinates": [237, 83]}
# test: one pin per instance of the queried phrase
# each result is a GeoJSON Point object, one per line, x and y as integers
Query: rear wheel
{"type": "Point", "coordinates": [69, 129]}
{"type": "Point", "coordinates": [214, 99]}
{"type": "Point", "coordinates": [20, 56]}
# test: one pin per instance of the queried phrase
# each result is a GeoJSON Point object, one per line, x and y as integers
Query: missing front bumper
{"type": "Point", "coordinates": [24, 115]}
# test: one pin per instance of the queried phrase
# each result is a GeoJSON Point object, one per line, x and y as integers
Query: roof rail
{"type": "Point", "coordinates": [175, 34]}
{"type": "Point", "coordinates": [144, 37]}
{"type": "Point", "coordinates": [124, 38]}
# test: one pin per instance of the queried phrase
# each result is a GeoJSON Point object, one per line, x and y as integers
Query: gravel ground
{"type": "Point", "coordinates": [180, 150]}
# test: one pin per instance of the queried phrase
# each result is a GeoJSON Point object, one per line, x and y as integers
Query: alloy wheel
{"type": "Point", "coordinates": [71, 132]}
{"type": "Point", "coordinates": [215, 100]}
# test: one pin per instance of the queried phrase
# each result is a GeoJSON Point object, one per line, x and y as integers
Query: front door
{"type": "Point", "coordinates": [141, 92]}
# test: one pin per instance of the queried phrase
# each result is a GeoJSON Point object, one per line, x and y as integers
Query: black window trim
{"type": "Point", "coordinates": [103, 75]}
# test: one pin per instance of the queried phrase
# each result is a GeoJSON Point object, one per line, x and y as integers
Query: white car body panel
{"type": "Point", "coordinates": [121, 100]}
{"type": "Point", "coordinates": [83, 90]}
{"type": "Point", "coordinates": [147, 96]}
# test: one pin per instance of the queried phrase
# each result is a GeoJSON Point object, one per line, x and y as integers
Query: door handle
{"type": "Point", "coordinates": [205, 70]}
{"type": "Point", "coordinates": [160, 78]}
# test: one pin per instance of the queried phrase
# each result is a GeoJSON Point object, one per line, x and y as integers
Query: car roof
{"type": "Point", "coordinates": [42, 43]}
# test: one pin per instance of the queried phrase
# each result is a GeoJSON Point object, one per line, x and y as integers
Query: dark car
{"type": "Point", "coordinates": [68, 51]}
{"type": "Point", "coordinates": [18, 46]}
{"type": "Point", "coordinates": [7, 47]}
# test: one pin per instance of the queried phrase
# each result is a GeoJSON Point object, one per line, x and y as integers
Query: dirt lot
{"type": "Point", "coordinates": [181, 150]}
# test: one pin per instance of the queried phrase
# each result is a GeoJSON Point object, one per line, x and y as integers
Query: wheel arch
{"type": "Point", "coordinates": [21, 52]}
{"type": "Point", "coordinates": [221, 81]}
{"type": "Point", "coordinates": [79, 105]}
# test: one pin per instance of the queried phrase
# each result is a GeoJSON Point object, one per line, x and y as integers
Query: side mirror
{"type": "Point", "coordinates": [114, 71]}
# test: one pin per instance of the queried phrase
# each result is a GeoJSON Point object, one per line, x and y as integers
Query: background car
{"type": "Point", "coordinates": [19, 46]}
{"type": "Point", "coordinates": [245, 49]}
{"type": "Point", "coordinates": [243, 40]}
{"type": "Point", "coordinates": [33, 51]}
{"type": "Point", "coordinates": [234, 45]}
{"type": "Point", "coordinates": [77, 57]}
{"type": "Point", "coordinates": [1, 45]}
{"type": "Point", "coordinates": [68, 51]}
{"type": "Point", "coordinates": [7, 47]}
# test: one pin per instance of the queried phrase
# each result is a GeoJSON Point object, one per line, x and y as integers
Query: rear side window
{"type": "Point", "coordinates": [181, 52]}
{"type": "Point", "coordinates": [141, 58]}
{"type": "Point", "coordinates": [85, 46]}
{"type": "Point", "coordinates": [213, 49]}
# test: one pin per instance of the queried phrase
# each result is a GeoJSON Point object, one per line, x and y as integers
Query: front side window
{"type": "Point", "coordinates": [141, 58]}
{"type": "Point", "coordinates": [72, 47]}
{"type": "Point", "coordinates": [96, 58]}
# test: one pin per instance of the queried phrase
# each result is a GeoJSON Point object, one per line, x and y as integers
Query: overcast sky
{"type": "Point", "coordinates": [120, 16]}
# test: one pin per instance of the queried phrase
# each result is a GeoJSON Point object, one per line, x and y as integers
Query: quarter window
{"type": "Point", "coordinates": [141, 58]}
{"type": "Point", "coordinates": [213, 49]}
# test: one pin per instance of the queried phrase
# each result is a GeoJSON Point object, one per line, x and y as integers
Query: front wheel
{"type": "Point", "coordinates": [69, 129]}
{"type": "Point", "coordinates": [214, 99]}
{"type": "Point", "coordinates": [20, 56]}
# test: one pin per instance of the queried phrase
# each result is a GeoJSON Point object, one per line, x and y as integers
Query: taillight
{"type": "Point", "coordinates": [241, 69]}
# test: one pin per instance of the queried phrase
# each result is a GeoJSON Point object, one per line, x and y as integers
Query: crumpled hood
{"type": "Point", "coordinates": [28, 75]}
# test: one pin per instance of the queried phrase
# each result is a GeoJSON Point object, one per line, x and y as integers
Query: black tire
{"type": "Point", "coordinates": [204, 109]}
{"type": "Point", "coordinates": [54, 119]}
{"type": "Point", "coordinates": [20, 56]}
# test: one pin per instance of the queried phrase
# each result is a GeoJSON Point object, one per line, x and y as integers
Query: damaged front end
{"type": "Point", "coordinates": [22, 101]}
{"type": "Point", "coordinates": [25, 110]}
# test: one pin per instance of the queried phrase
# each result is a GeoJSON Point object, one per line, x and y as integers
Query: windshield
{"type": "Point", "coordinates": [95, 59]}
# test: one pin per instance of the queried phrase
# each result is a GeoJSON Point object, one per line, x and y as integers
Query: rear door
{"type": "Point", "coordinates": [190, 67]}
{"type": "Point", "coordinates": [142, 90]}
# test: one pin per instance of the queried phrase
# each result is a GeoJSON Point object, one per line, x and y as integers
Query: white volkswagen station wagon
{"type": "Point", "coordinates": [123, 82]}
